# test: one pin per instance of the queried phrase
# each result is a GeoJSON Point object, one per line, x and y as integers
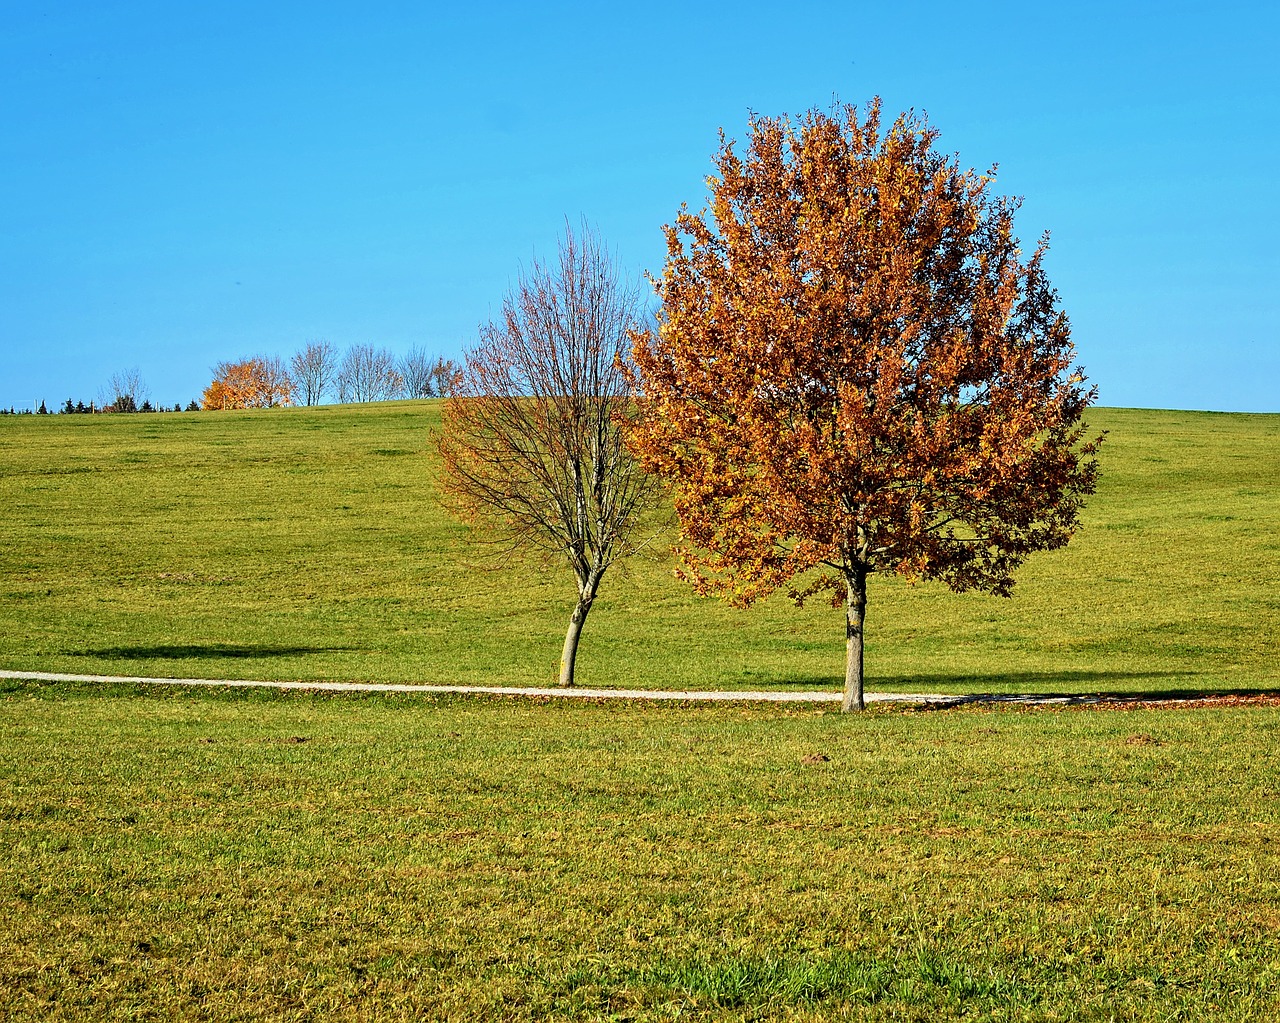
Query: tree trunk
{"type": "Point", "coordinates": [587, 596]}
{"type": "Point", "coordinates": [855, 615]}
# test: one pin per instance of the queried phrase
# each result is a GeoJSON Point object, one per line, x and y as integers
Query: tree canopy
{"type": "Point", "coordinates": [857, 369]}
{"type": "Point", "coordinates": [256, 382]}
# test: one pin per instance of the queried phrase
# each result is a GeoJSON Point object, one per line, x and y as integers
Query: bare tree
{"type": "Point", "coordinates": [279, 384]}
{"type": "Point", "coordinates": [415, 370]}
{"type": "Point", "coordinates": [368, 374]}
{"type": "Point", "coordinates": [531, 437]}
{"type": "Point", "coordinates": [313, 370]}
{"type": "Point", "coordinates": [123, 392]}
{"type": "Point", "coordinates": [425, 377]}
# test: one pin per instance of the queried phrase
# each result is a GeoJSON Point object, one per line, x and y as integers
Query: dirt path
{"type": "Point", "coordinates": [1109, 701]}
{"type": "Point", "coordinates": [574, 693]}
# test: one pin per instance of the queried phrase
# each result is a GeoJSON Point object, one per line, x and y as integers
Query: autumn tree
{"type": "Point", "coordinates": [368, 374]}
{"type": "Point", "coordinates": [445, 376]}
{"type": "Point", "coordinates": [256, 382]}
{"type": "Point", "coordinates": [312, 370]}
{"type": "Point", "coordinates": [856, 370]}
{"type": "Point", "coordinates": [531, 437]}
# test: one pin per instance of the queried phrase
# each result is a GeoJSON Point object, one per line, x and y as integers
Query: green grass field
{"type": "Point", "coordinates": [168, 855]}
{"type": "Point", "coordinates": [308, 544]}
{"type": "Point", "coordinates": [229, 855]}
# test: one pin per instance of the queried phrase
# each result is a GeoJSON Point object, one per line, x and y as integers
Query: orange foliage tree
{"type": "Point", "coordinates": [856, 369]}
{"type": "Point", "coordinates": [258, 382]}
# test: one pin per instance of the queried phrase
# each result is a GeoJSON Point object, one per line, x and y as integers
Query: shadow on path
{"type": "Point", "coordinates": [1028, 679]}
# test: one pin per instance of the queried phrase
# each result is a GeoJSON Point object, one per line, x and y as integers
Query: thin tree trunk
{"type": "Point", "coordinates": [576, 620]}
{"type": "Point", "coordinates": [855, 616]}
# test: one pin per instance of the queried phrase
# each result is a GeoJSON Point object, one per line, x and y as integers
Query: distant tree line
{"type": "Point", "coordinates": [123, 392]}
{"type": "Point", "coordinates": [80, 408]}
{"type": "Point", "coordinates": [360, 374]}
{"type": "Point", "coordinates": [317, 371]}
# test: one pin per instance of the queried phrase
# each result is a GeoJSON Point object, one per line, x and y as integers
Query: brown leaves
{"type": "Point", "coordinates": [855, 365]}
{"type": "Point", "coordinates": [257, 382]}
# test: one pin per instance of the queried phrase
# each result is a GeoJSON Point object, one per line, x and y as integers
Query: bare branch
{"type": "Point", "coordinates": [313, 369]}
{"type": "Point", "coordinates": [532, 441]}
{"type": "Point", "coordinates": [368, 374]}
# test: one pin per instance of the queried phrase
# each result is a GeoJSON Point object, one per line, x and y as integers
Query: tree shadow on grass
{"type": "Point", "coordinates": [1031, 681]}
{"type": "Point", "coordinates": [196, 651]}
{"type": "Point", "coordinates": [1063, 688]}
{"type": "Point", "coordinates": [1133, 697]}
{"type": "Point", "coordinates": [1067, 688]}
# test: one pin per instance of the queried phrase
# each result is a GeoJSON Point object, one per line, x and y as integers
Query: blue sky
{"type": "Point", "coordinates": [184, 184]}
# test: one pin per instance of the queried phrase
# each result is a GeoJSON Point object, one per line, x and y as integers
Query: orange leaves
{"type": "Point", "coordinates": [856, 369]}
{"type": "Point", "coordinates": [257, 382]}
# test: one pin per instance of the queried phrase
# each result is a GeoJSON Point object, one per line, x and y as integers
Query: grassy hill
{"type": "Point", "coordinates": [225, 855]}
{"type": "Point", "coordinates": [309, 544]}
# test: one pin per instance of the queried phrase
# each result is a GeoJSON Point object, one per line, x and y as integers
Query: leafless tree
{"type": "Point", "coordinates": [531, 436]}
{"type": "Point", "coordinates": [313, 370]}
{"type": "Point", "coordinates": [123, 392]}
{"type": "Point", "coordinates": [368, 374]}
{"type": "Point", "coordinates": [277, 382]}
{"type": "Point", "coordinates": [425, 377]}
{"type": "Point", "coordinates": [415, 370]}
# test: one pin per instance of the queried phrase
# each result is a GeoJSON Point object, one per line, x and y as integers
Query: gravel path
{"type": "Point", "coordinates": [1095, 700]}
{"type": "Point", "coordinates": [574, 693]}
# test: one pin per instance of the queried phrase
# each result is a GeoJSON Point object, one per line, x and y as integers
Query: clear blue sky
{"type": "Point", "coordinates": [182, 183]}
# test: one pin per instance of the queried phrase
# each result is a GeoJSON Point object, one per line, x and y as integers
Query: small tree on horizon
{"type": "Point", "coordinates": [531, 437]}
{"type": "Point", "coordinates": [256, 382]}
{"type": "Point", "coordinates": [425, 377]}
{"type": "Point", "coordinates": [856, 370]}
{"type": "Point", "coordinates": [445, 377]}
{"type": "Point", "coordinates": [312, 370]}
{"type": "Point", "coordinates": [368, 374]}
{"type": "Point", "coordinates": [415, 371]}
{"type": "Point", "coordinates": [123, 392]}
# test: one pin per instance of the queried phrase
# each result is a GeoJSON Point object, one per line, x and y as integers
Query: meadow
{"type": "Point", "coordinates": [173, 854]}
{"type": "Point", "coordinates": [309, 544]}
{"type": "Point", "coordinates": [170, 855]}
